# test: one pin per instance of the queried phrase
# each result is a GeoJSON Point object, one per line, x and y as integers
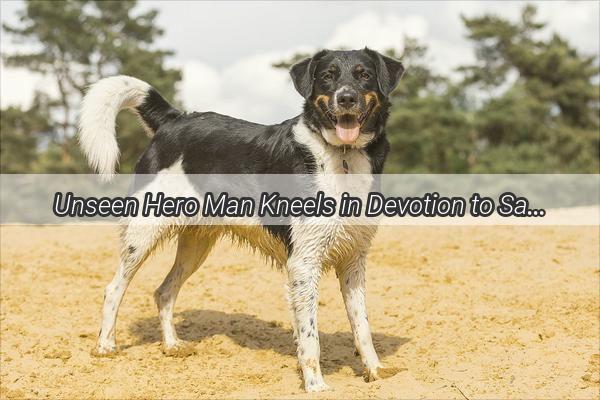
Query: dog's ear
{"type": "Point", "coordinates": [389, 71]}
{"type": "Point", "coordinates": [303, 74]}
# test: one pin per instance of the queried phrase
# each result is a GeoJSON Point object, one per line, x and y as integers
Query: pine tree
{"type": "Point", "coordinates": [548, 119]}
{"type": "Point", "coordinates": [428, 127]}
{"type": "Point", "coordinates": [22, 132]}
{"type": "Point", "coordinates": [78, 43]}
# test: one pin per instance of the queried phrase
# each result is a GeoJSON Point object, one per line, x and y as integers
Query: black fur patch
{"type": "Point", "coordinates": [211, 143]}
{"type": "Point", "coordinates": [156, 111]}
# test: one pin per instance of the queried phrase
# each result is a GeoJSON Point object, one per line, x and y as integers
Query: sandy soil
{"type": "Point", "coordinates": [486, 312]}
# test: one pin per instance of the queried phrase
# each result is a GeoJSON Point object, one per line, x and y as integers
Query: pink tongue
{"type": "Point", "coordinates": [347, 135]}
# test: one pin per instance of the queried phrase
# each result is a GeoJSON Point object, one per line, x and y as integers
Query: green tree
{"type": "Point", "coordinates": [21, 134]}
{"type": "Point", "coordinates": [78, 43]}
{"type": "Point", "coordinates": [429, 126]}
{"type": "Point", "coordinates": [548, 118]}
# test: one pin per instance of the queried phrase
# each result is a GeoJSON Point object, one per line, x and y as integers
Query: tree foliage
{"type": "Point", "coordinates": [548, 119]}
{"type": "Point", "coordinates": [22, 132]}
{"type": "Point", "coordinates": [528, 104]}
{"type": "Point", "coordinates": [78, 43]}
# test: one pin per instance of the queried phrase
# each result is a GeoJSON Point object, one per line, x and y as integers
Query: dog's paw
{"type": "Point", "coordinates": [371, 375]}
{"type": "Point", "coordinates": [104, 350]}
{"type": "Point", "coordinates": [316, 386]}
{"type": "Point", "coordinates": [179, 349]}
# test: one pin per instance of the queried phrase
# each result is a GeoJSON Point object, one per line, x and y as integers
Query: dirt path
{"type": "Point", "coordinates": [489, 312]}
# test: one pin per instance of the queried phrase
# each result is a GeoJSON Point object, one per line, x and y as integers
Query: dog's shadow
{"type": "Point", "coordinates": [337, 349]}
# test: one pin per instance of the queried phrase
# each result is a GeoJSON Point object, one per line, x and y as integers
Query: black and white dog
{"type": "Point", "coordinates": [341, 131]}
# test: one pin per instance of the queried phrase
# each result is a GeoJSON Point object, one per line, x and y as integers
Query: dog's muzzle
{"type": "Point", "coordinates": [348, 117]}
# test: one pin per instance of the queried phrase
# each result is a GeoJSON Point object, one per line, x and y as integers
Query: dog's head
{"type": "Point", "coordinates": [346, 93]}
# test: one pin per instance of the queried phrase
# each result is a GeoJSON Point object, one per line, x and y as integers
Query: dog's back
{"type": "Point", "coordinates": [205, 142]}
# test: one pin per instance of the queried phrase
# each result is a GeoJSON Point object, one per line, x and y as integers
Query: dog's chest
{"type": "Point", "coordinates": [332, 243]}
{"type": "Point", "coordinates": [339, 170]}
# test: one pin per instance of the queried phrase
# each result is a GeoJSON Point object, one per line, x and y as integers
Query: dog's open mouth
{"type": "Point", "coordinates": [347, 126]}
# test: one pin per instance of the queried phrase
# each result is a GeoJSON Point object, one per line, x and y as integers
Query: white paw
{"type": "Point", "coordinates": [380, 372]}
{"type": "Point", "coordinates": [179, 349]}
{"type": "Point", "coordinates": [105, 350]}
{"type": "Point", "coordinates": [316, 386]}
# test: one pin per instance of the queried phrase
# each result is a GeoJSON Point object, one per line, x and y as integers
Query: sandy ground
{"type": "Point", "coordinates": [488, 312]}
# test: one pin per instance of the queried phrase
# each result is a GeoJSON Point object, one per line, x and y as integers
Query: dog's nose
{"type": "Point", "coordinates": [346, 99]}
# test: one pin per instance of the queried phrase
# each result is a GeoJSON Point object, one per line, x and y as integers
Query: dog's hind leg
{"type": "Point", "coordinates": [192, 249]}
{"type": "Point", "coordinates": [137, 241]}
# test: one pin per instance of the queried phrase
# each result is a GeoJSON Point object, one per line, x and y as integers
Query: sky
{"type": "Point", "coordinates": [226, 49]}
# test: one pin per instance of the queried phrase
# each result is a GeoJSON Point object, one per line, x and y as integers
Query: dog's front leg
{"type": "Point", "coordinates": [352, 285]}
{"type": "Point", "coordinates": [303, 281]}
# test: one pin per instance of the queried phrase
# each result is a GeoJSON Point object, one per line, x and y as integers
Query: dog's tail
{"type": "Point", "coordinates": [102, 103]}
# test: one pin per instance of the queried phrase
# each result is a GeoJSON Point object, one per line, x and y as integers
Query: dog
{"type": "Point", "coordinates": [340, 131]}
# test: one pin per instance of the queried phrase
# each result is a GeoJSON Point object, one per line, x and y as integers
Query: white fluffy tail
{"type": "Point", "coordinates": [101, 105]}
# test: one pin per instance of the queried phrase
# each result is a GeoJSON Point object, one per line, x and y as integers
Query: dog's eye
{"type": "Point", "coordinates": [365, 76]}
{"type": "Point", "coordinates": [327, 76]}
